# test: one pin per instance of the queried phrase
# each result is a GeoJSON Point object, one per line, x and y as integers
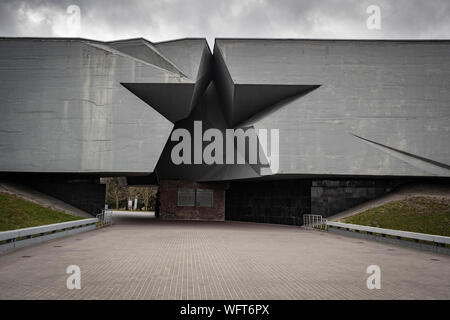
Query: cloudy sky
{"type": "Point", "coordinates": [159, 20]}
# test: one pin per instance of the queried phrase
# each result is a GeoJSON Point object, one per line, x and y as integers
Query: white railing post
{"type": "Point", "coordinates": [312, 221]}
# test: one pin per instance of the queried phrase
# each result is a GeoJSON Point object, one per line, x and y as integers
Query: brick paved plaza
{"type": "Point", "coordinates": [141, 258]}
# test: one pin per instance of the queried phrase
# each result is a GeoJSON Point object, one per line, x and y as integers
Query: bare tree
{"type": "Point", "coordinates": [148, 194]}
{"type": "Point", "coordinates": [114, 192]}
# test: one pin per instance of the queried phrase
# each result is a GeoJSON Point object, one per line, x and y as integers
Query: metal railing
{"type": "Point", "coordinates": [105, 217]}
{"type": "Point", "coordinates": [27, 236]}
{"type": "Point", "coordinates": [314, 221]}
{"type": "Point", "coordinates": [439, 240]}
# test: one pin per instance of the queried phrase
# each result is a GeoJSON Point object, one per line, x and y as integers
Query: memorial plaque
{"type": "Point", "coordinates": [205, 197]}
{"type": "Point", "coordinates": [186, 198]}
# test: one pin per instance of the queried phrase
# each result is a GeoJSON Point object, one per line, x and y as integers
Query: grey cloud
{"type": "Point", "coordinates": [159, 20]}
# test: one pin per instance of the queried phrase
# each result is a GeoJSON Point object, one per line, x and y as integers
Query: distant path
{"type": "Point", "coordinates": [413, 190]}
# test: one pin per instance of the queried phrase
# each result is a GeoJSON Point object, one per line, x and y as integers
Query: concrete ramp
{"type": "Point", "coordinates": [40, 198]}
{"type": "Point", "coordinates": [406, 191]}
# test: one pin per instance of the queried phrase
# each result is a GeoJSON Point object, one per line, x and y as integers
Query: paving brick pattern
{"type": "Point", "coordinates": [142, 258]}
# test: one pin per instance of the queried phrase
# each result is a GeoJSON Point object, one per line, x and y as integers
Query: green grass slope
{"type": "Point", "coordinates": [416, 214]}
{"type": "Point", "coordinates": [16, 213]}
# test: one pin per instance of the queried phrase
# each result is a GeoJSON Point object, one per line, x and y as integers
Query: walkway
{"type": "Point", "coordinates": [142, 258]}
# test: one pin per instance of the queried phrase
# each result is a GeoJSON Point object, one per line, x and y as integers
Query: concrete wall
{"type": "Point", "coordinates": [381, 108]}
{"type": "Point", "coordinates": [64, 108]}
{"type": "Point", "coordinates": [168, 209]}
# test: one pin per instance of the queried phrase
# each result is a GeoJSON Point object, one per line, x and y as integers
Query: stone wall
{"type": "Point", "coordinates": [283, 201]}
{"type": "Point", "coordinates": [168, 208]}
{"type": "Point", "coordinates": [329, 197]}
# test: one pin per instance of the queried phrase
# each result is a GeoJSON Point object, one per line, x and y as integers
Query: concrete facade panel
{"type": "Point", "coordinates": [64, 109]}
{"type": "Point", "coordinates": [392, 92]}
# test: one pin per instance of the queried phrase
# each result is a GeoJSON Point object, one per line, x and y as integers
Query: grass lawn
{"type": "Point", "coordinates": [416, 214]}
{"type": "Point", "coordinates": [16, 213]}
